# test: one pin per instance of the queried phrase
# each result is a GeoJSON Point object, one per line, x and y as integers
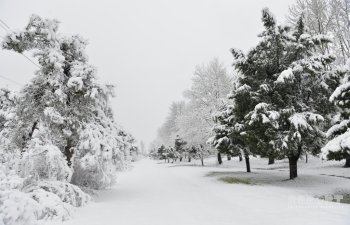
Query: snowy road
{"type": "Point", "coordinates": [161, 194]}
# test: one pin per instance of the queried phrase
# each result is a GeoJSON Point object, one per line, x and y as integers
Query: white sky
{"type": "Point", "coordinates": [148, 49]}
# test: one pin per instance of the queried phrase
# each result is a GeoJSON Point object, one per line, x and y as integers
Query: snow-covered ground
{"type": "Point", "coordinates": [156, 193]}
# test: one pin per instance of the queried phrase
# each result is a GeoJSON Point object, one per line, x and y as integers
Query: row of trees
{"type": "Point", "coordinates": [290, 97]}
{"type": "Point", "coordinates": [58, 134]}
{"type": "Point", "coordinates": [180, 151]}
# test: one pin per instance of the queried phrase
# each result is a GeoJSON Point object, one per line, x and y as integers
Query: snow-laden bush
{"type": "Point", "coordinates": [26, 202]}
{"type": "Point", "coordinates": [68, 193]}
{"type": "Point", "coordinates": [91, 174]}
{"type": "Point", "coordinates": [57, 199]}
{"type": "Point", "coordinates": [47, 201]}
{"type": "Point", "coordinates": [17, 208]}
{"type": "Point", "coordinates": [94, 164]}
{"type": "Point", "coordinates": [36, 188]}
{"type": "Point", "coordinates": [44, 161]}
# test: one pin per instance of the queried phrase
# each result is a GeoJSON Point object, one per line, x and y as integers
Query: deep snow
{"type": "Point", "coordinates": [155, 193]}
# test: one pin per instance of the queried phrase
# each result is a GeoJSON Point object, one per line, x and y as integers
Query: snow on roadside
{"type": "Point", "coordinates": [156, 193]}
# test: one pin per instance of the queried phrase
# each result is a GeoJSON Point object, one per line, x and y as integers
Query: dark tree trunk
{"type": "Point", "coordinates": [202, 160]}
{"type": "Point", "coordinates": [219, 158]}
{"type": "Point", "coordinates": [347, 163]}
{"type": "Point", "coordinates": [293, 168]}
{"type": "Point", "coordinates": [189, 159]}
{"type": "Point", "coordinates": [180, 159]}
{"type": "Point", "coordinates": [247, 163]}
{"type": "Point", "coordinates": [228, 157]}
{"type": "Point", "coordinates": [30, 135]}
{"type": "Point", "coordinates": [271, 160]}
{"type": "Point", "coordinates": [306, 158]}
{"type": "Point", "coordinates": [33, 129]}
{"type": "Point", "coordinates": [240, 158]}
{"type": "Point", "coordinates": [68, 151]}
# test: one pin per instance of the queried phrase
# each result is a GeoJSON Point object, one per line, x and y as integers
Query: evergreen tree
{"type": "Point", "coordinates": [251, 120]}
{"type": "Point", "coordinates": [302, 91]}
{"type": "Point", "coordinates": [173, 154]}
{"type": "Point", "coordinates": [255, 105]}
{"type": "Point", "coordinates": [282, 95]}
{"type": "Point", "coordinates": [179, 147]}
{"type": "Point", "coordinates": [197, 152]}
{"type": "Point", "coordinates": [338, 147]}
{"type": "Point", "coordinates": [229, 137]}
{"type": "Point", "coordinates": [161, 152]}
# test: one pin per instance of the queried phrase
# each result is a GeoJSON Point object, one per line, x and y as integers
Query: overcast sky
{"type": "Point", "coordinates": [147, 48]}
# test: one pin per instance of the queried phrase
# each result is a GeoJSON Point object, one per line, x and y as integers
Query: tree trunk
{"type": "Point", "coordinates": [32, 130]}
{"type": "Point", "coordinates": [240, 158]}
{"type": "Point", "coordinates": [189, 159]}
{"type": "Point", "coordinates": [180, 159]}
{"type": "Point", "coordinates": [293, 169]}
{"type": "Point", "coordinates": [219, 158]}
{"type": "Point", "coordinates": [29, 137]}
{"type": "Point", "coordinates": [347, 163]}
{"type": "Point", "coordinates": [306, 158]}
{"type": "Point", "coordinates": [68, 152]}
{"type": "Point", "coordinates": [228, 157]}
{"type": "Point", "coordinates": [247, 163]}
{"type": "Point", "coordinates": [271, 160]}
{"type": "Point", "coordinates": [202, 160]}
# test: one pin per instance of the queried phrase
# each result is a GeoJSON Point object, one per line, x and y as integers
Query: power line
{"type": "Point", "coordinates": [7, 28]}
{"type": "Point", "coordinates": [3, 27]}
{"type": "Point", "coordinates": [8, 79]}
{"type": "Point", "coordinates": [5, 24]}
{"type": "Point", "coordinates": [30, 60]}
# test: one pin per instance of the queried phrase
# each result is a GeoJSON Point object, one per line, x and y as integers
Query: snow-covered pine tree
{"type": "Point", "coordinates": [161, 153]}
{"type": "Point", "coordinates": [302, 92]}
{"type": "Point", "coordinates": [197, 152]}
{"type": "Point", "coordinates": [249, 124]}
{"type": "Point", "coordinates": [173, 154]}
{"type": "Point", "coordinates": [254, 99]}
{"type": "Point", "coordinates": [180, 147]}
{"type": "Point", "coordinates": [228, 137]}
{"type": "Point", "coordinates": [64, 105]}
{"type": "Point", "coordinates": [282, 94]}
{"type": "Point", "coordinates": [338, 146]}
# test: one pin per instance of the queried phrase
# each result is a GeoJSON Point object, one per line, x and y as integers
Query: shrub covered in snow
{"type": "Point", "coordinates": [44, 162]}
